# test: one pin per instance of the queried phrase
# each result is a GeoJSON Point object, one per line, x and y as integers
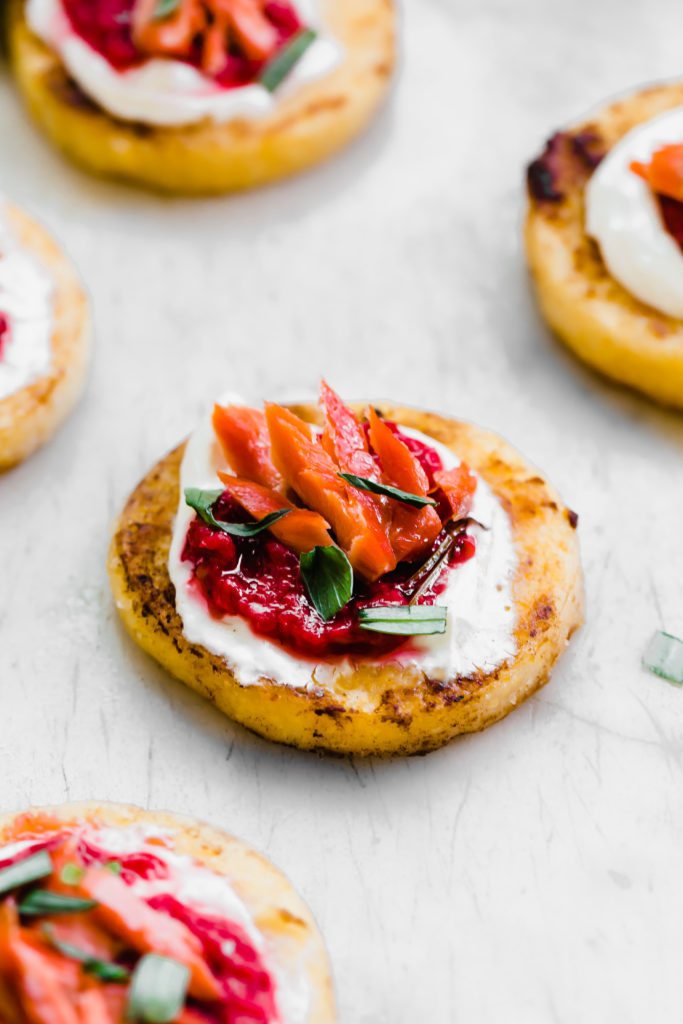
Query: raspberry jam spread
{"type": "Point", "coordinates": [4, 333]}
{"type": "Point", "coordinates": [133, 883]}
{"type": "Point", "coordinates": [260, 580]}
{"type": "Point", "coordinates": [229, 42]}
{"type": "Point", "coordinates": [390, 544]}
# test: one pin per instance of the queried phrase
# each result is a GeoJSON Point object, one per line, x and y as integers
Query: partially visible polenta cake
{"type": "Point", "coordinates": [604, 238]}
{"type": "Point", "coordinates": [201, 96]}
{"type": "Point", "coordinates": [363, 580]}
{"type": "Point", "coordinates": [112, 914]}
{"type": "Point", "coordinates": [44, 336]}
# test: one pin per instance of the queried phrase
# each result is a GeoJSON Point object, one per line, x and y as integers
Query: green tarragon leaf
{"type": "Point", "coordinates": [38, 865]}
{"type": "Point", "coordinates": [363, 484]}
{"type": "Point", "coordinates": [203, 501]}
{"type": "Point", "coordinates": [42, 901]}
{"type": "Point", "coordinates": [328, 578]}
{"type": "Point", "coordinates": [158, 989]}
{"type": "Point", "coordinates": [277, 69]}
{"type": "Point", "coordinates": [164, 9]}
{"type": "Point", "coordinates": [664, 657]}
{"type": "Point", "coordinates": [404, 620]}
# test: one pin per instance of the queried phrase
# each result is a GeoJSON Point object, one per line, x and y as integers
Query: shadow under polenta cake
{"type": "Point", "coordinates": [304, 128]}
{"type": "Point", "coordinates": [602, 322]}
{"type": "Point", "coordinates": [370, 708]}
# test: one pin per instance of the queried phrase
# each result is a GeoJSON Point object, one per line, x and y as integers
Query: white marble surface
{"type": "Point", "coordinates": [529, 874]}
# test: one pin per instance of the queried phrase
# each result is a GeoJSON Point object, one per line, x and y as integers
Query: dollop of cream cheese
{"type": "Point", "coordinates": [26, 299]}
{"type": "Point", "coordinates": [479, 595]}
{"type": "Point", "coordinates": [168, 92]}
{"type": "Point", "coordinates": [623, 217]}
{"type": "Point", "coordinates": [196, 886]}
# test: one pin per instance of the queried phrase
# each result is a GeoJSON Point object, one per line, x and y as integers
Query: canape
{"type": "Point", "coordinates": [109, 913]}
{"type": "Point", "coordinates": [201, 96]}
{"type": "Point", "coordinates": [44, 336]}
{"type": "Point", "coordinates": [363, 581]}
{"type": "Point", "coordinates": [604, 237]}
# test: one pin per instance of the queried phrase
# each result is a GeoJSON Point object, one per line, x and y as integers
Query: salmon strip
{"type": "Point", "coordinates": [664, 173]}
{"type": "Point", "coordinates": [311, 473]}
{"type": "Point", "coordinates": [243, 434]}
{"type": "Point", "coordinates": [458, 485]}
{"type": "Point", "coordinates": [256, 35]}
{"type": "Point", "coordinates": [147, 930]}
{"type": "Point", "coordinates": [171, 36]}
{"type": "Point", "coordinates": [301, 529]}
{"type": "Point", "coordinates": [93, 1008]}
{"type": "Point", "coordinates": [412, 531]}
{"type": "Point", "coordinates": [344, 438]}
{"type": "Point", "coordinates": [220, 22]}
{"type": "Point", "coordinates": [46, 985]}
{"type": "Point", "coordinates": [81, 930]}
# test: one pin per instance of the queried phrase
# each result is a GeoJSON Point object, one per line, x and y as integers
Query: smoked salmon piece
{"type": "Point", "coordinates": [94, 1009]}
{"type": "Point", "coordinates": [412, 530]}
{"type": "Point", "coordinates": [300, 529]}
{"type": "Point", "coordinates": [458, 486]}
{"type": "Point", "coordinates": [243, 434]}
{"type": "Point", "coordinates": [147, 930]}
{"type": "Point", "coordinates": [344, 438]}
{"type": "Point", "coordinates": [311, 473]}
{"type": "Point", "coordinates": [172, 35]}
{"type": "Point", "coordinates": [664, 173]}
{"type": "Point", "coordinates": [218, 23]}
{"type": "Point", "coordinates": [246, 21]}
{"type": "Point", "coordinates": [45, 986]}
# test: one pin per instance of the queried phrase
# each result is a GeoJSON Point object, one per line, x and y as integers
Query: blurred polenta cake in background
{"type": "Point", "coordinates": [110, 913]}
{"type": "Point", "coordinates": [44, 336]}
{"type": "Point", "coordinates": [201, 96]}
{"type": "Point", "coordinates": [604, 238]}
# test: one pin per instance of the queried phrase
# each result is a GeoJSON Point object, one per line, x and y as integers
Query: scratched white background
{"type": "Point", "coordinates": [529, 874]}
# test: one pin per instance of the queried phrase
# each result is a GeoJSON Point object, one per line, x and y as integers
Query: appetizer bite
{"type": "Point", "coordinates": [357, 580]}
{"type": "Point", "coordinates": [201, 96]}
{"type": "Point", "coordinates": [604, 237]}
{"type": "Point", "coordinates": [44, 336]}
{"type": "Point", "coordinates": [111, 914]}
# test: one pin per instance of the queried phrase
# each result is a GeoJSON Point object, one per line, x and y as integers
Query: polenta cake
{"type": "Point", "coordinates": [604, 238]}
{"type": "Point", "coordinates": [201, 96]}
{"type": "Point", "coordinates": [365, 580]}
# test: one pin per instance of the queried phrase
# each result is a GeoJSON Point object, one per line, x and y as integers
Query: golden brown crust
{"type": "Point", "coordinates": [293, 940]}
{"type": "Point", "coordinates": [603, 323]}
{"type": "Point", "coordinates": [29, 417]}
{"type": "Point", "coordinates": [372, 709]}
{"type": "Point", "coordinates": [209, 158]}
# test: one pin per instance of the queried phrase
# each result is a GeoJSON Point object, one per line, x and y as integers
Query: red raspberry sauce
{"type": "Point", "coordinates": [4, 333]}
{"type": "Point", "coordinates": [106, 26]}
{"type": "Point", "coordinates": [672, 215]}
{"type": "Point", "coordinates": [258, 578]}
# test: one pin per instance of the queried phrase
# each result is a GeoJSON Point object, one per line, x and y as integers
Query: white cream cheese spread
{"type": "Point", "coordinates": [26, 302]}
{"type": "Point", "coordinates": [168, 92]}
{"type": "Point", "coordinates": [479, 594]}
{"type": "Point", "coordinates": [623, 217]}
